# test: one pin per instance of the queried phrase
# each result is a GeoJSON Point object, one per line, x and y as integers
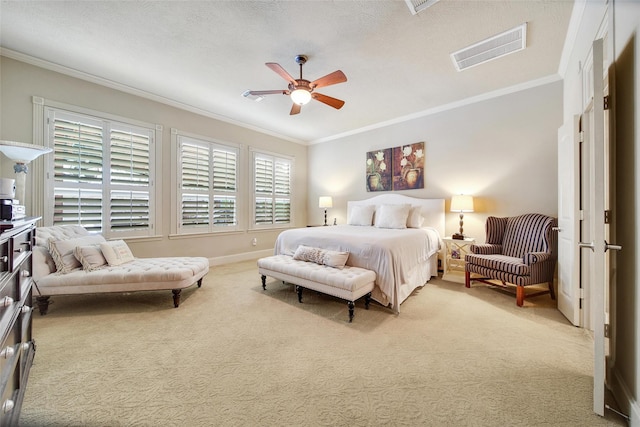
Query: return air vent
{"type": "Point", "coordinates": [502, 44]}
{"type": "Point", "coordinates": [416, 6]}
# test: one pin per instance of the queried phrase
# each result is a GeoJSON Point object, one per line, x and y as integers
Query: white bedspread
{"type": "Point", "coordinates": [392, 253]}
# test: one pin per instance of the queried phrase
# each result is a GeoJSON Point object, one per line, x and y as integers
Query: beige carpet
{"type": "Point", "coordinates": [235, 355]}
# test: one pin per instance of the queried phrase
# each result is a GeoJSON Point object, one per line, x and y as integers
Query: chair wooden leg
{"type": "Point", "coordinates": [552, 291]}
{"type": "Point", "coordinates": [519, 295]}
{"type": "Point", "coordinates": [467, 279]}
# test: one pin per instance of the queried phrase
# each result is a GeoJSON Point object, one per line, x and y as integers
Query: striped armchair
{"type": "Point", "coordinates": [519, 251]}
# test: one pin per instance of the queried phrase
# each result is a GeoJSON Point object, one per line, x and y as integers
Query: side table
{"type": "Point", "coordinates": [455, 251]}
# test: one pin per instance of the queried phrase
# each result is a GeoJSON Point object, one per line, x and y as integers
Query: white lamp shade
{"type": "Point", "coordinates": [461, 203]}
{"type": "Point", "coordinates": [20, 152]}
{"type": "Point", "coordinates": [301, 96]}
{"type": "Point", "coordinates": [325, 202]}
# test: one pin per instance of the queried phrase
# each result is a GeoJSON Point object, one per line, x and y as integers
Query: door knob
{"type": "Point", "coordinates": [612, 247]}
{"type": "Point", "coordinates": [587, 245]}
{"type": "Point", "coordinates": [558, 229]}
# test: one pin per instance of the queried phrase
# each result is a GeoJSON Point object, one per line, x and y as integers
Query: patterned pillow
{"type": "Point", "coordinates": [116, 252]}
{"type": "Point", "coordinates": [321, 256]}
{"type": "Point", "coordinates": [90, 257]}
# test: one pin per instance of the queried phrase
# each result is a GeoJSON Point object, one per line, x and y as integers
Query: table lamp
{"type": "Point", "coordinates": [461, 203]}
{"type": "Point", "coordinates": [22, 154]}
{"type": "Point", "coordinates": [325, 202]}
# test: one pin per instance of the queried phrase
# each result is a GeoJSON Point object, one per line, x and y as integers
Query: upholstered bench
{"type": "Point", "coordinates": [348, 283]}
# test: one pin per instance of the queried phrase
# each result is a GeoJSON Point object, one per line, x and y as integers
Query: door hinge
{"type": "Point", "coordinates": [607, 330]}
{"type": "Point", "coordinates": [581, 136]}
{"type": "Point", "coordinates": [607, 216]}
{"type": "Point", "coordinates": [606, 102]}
{"type": "Point", "coordinates": [581, 296]}
{"type": "Point", "coordinates": [581, 212]}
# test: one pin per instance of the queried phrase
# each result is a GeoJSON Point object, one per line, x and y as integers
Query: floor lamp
{"type": "Point", "coordinates": [22, 154]}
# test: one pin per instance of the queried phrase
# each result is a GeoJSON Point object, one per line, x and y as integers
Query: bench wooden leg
{"type": "Point", "coordinates": [351, 306]}
{"type": "Point", "coordinates": [43, 305]}
{"type": "Point", "coordinates": [367, 300]}
{"type": "Point", "coordinates": [467, 279]}
{"type": "Point", "coordinates": [176, 297]}
{"type": "Point", "coordinates": [299, 290]}
{"type": "Point", "coordinates": [264, 282]}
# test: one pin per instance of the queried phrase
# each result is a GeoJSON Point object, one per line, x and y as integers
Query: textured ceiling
{"type": "Point", "coordinates": [204, 54]}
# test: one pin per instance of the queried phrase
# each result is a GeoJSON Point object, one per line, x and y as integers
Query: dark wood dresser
{"type": "Point", "coordinates": [17, 347]}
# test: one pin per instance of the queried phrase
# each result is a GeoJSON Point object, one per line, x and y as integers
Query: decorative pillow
{"type": "Point", "coordinates": [90, 257]}
{"type": "Point", "coordinates": [415, 218]}
{"type": "Point", "coordinates": [361, 215]}
{"type": "Point", "coordinates": [392, 216]}
{"type": "Point", "coordinates": [116, 252]}
{"type": "Point", "coordinates": [321, 256]}
{"type": "Point", "coordinates": [62, 251]}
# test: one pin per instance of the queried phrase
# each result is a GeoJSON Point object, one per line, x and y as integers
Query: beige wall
{"type": "Point", "coordinates": [503, 151]}
{"type": "Point", "coordinates": [21, 81]}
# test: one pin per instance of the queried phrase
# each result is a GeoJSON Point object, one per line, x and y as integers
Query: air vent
{"type": "Point", "coordinates": [416, 6]}
{"type": "Point", "coordinates": [494, 47]}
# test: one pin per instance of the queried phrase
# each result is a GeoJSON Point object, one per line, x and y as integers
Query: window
{"type": "Point", "coordinates": [272, 190]}
{"type": "Point", "coordinates": [207, 187]}
{"type": "Point", "coordinates": [101, 174]}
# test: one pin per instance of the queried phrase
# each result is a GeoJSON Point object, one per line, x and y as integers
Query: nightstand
{"type": "Point", "coordinates": [455, 251]}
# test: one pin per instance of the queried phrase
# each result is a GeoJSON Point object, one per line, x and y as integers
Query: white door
{"type": "Point", "coordinates": [569, 298]}
{"type": "Point", "coordinates": [597, 203]}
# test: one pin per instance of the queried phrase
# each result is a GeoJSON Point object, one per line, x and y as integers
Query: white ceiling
{"type": "Point", "coordinates": [202, 55]}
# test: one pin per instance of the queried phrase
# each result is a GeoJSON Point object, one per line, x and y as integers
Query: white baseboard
{"type": "Point", "coordinates": [625, 400]}
{"type": "Point", "coordinates": [247, 256]}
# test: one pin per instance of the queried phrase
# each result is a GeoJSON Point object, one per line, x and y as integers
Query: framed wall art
{"type": "Point", "coordinates": [379, 170]}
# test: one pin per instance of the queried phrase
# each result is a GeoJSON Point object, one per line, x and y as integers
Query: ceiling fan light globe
{"type": "Point", "coordinates": [301, 96]}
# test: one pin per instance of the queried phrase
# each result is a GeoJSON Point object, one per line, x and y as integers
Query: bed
{"type": "Point", "coordinates": [403, 258]}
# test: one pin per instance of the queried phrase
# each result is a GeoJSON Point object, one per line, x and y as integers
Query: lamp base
{"type": "Point", "coordinates": [458, 236]}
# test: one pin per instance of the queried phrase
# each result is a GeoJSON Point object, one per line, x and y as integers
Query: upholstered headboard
{"type": "Point", "coordinates": [432, 209]}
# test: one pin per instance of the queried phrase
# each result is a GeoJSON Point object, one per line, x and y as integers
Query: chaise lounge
{"type": "Point", "coordinates": [69, 260]}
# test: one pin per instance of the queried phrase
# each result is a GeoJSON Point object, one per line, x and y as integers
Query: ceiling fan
{"type": "Point", "coordinates": [302, 90]}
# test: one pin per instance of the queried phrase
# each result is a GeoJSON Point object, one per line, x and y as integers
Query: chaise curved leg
{"type": "Point", "coordinates": [299, 290]}
{"type": "Point", "coordinates": [264, 282]}
{"type": "Point", "coordinates": [519, 295]}
{"type": "Point", "coordinates": [43, 305]}
{"type": "Point", "coordinates": [351, 307]}
{"type": "Point", "coordinates": [200, 283]}
{"type": "Point", "coordinates": [176, 297]}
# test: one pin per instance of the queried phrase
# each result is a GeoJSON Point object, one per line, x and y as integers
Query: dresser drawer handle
{"type": "Point", "coordinates": [6, 302]}
{"type": "Point", "coordinates": [26, 309]}
{"type": "Point", "coordinates": [4, 258]}
{"type": "Point", "coordinates": [7, 406]}
{"type": "Point", "coordinates": [7, 352]}
{"type": "Point", "coordinates": [25, 346]}
{"type": "Point", "coordinates": [19, 250]}
{"type": "Point", "coordinates": [25, 273]}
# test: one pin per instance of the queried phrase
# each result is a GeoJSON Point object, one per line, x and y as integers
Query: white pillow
{"type": "Point", "coordinates": [116, 252]}
{"type": "Point", "coordinates": [62, 251]}
{"type": "Point", "coordinates": [321, 256]}
{"type": "Point", "coordinates": [90, 257]}
{"type": "Point", "coordinates": [415, 218]}
{"type": "Point", "coordinates": [392, 216]}
{"type": "Point", "coordinates": [361, 215]}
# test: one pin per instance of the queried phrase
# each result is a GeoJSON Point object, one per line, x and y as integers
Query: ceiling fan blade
{"type": "Point", "coordinates": [268, 92]}
{"type": "Point", "coordinates": [281, 71]}
{"type": "Point", "coordinates": [295, 109]}
{"type": "Point", "coordinates": [332, 102]}
{"type": "Point", "coordinates": [330, 79]}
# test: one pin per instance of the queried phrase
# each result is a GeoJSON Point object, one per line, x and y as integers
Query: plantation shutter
{"type": "Point", "coordinates": [272, 177]}
{"type": "Point", "coordinates": [129, 154]}
{"type": "Point", "coordinates": [209, 184]}
{"type": "Point", "coordinates": [77, 163]}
